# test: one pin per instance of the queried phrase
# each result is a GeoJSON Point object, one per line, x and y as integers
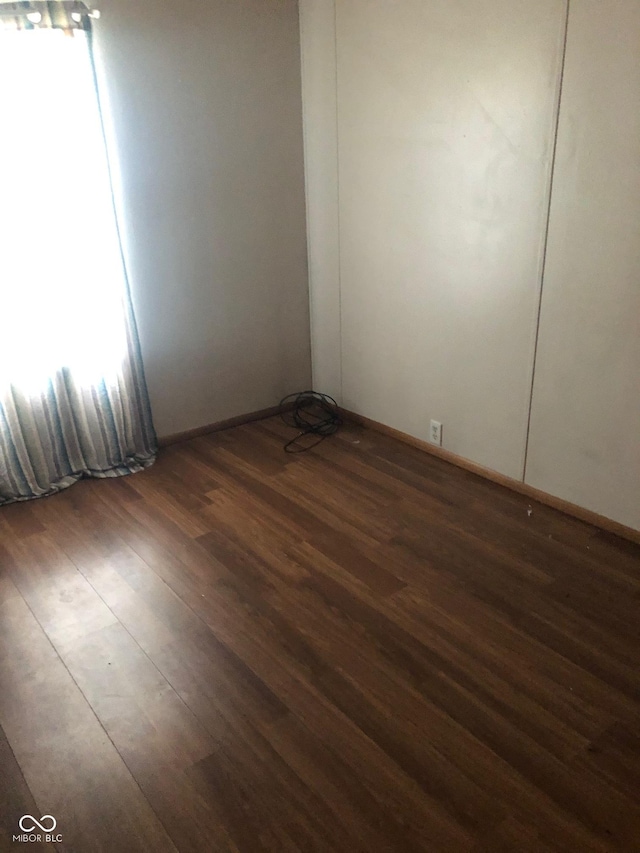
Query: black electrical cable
{"type": "Point", "coordinates": [312, 414]}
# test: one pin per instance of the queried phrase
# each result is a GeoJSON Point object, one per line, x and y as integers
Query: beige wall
{"type": "Point", "coordinates": [429, 131]}
{"type": "Point", "coordinates": [205, 102]}
{"type": "Point", "coordinates": [585, 420]}
{"type": "Point", "coordinates": [445, 114]}
{"type": "Point", "coordinates": [318, 42]}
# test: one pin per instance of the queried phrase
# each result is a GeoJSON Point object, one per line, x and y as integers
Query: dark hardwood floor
{"type": "Point", "coordinates": [360, 648]}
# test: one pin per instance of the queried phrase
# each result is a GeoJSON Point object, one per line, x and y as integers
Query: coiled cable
{"type": "Point", "coordinates": [313, 414]}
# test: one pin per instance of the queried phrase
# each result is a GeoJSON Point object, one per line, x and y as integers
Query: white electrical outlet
{"type": "Point", "coordinates": [435, 433]}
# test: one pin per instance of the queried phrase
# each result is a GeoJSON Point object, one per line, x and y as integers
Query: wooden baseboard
{"type": "Point", "coordinates": [534, 494]}
{"type": "Point", "coordinates": [260, 415]}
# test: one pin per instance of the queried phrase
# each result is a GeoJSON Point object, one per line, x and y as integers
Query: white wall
{"type": "Point", "coordinates": [446, 114]}
{"type": "Point", "coordinates": [585, 421]}
{"type": "Point", "coordinates": [204, 97]}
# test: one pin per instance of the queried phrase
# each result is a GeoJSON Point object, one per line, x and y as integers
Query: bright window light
{"type": "Point", "coordinates": [61, 274]}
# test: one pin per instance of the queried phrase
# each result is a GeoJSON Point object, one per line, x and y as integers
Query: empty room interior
{"type": "Point", "coordinates": [320, 426]}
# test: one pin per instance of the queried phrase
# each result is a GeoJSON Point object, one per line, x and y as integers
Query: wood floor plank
{"type": "Point", "coordinates": [249, 782]}
{"type": "Point", "coordinates": [479, 713]}
{"type": "Point", "coordinates": [16, 800]}
{"type": "Point", "coordinates": [356, 648]}
{"type": "Point", "coordinates": [71, 767]}
{"type": "Point", "coordinates": [155, 733]}
{"type": "Point", "coordinates": [576, 695]}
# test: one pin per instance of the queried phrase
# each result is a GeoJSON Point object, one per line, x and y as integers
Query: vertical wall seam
{"type": "Point", "coordinates": [338, 222]}
{"type": "Point", "coordinates": [305, 160]}
{"type": "Point", "coordinates": [545, 242]}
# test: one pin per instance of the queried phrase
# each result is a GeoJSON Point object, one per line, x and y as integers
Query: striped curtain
{"type": "Point", "coordinates": [73, 399]}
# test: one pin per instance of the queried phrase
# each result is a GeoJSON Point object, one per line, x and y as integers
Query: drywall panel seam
{"type": "Point", "coordinates": [545, 241]}
{"type": "Point", "coordinates": [335, 34]}
{"type": "Point", "coordinates": [305, 145]}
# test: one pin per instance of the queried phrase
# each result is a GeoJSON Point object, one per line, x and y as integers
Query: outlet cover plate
{"type": "Point", "coordinates": [435, 433]}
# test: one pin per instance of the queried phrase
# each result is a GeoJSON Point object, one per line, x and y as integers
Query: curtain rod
{"type": "Point", "coordinates": [33, 9]}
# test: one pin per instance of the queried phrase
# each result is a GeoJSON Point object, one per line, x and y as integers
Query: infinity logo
{"type": "Point", "coordinates": [38, 823]}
